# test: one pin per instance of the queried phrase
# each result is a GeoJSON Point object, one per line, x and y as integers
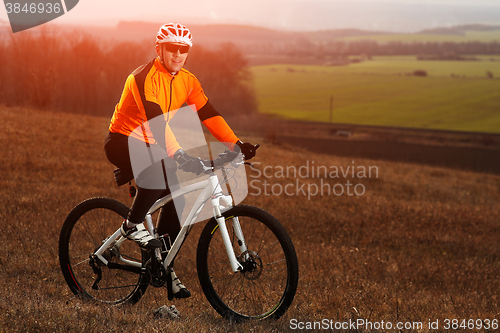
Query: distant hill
{"type": "Point", "coordinates": [331, 35]}
{"type": "Point", "coordinates": [241, 35]}
{"type": "Point", "coordinates": [250, 36]}
{"type": "Point", "coordinates": [460, 29]}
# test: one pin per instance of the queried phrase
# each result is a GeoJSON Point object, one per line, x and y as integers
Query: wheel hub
{"type": "Point", "coordinates": [252, 265]}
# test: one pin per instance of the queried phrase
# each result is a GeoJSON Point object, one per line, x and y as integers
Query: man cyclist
{"type": "Point", "coordinates": [155, 89]}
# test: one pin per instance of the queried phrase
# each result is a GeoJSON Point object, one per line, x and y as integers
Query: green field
{"type": "Point", "coordinates": [456, 95]}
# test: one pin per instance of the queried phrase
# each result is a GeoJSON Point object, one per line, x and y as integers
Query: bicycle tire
{"type": "Point", "coordinates": [266, 290]}
{"type": "Point", "coordinates": [83, 232]}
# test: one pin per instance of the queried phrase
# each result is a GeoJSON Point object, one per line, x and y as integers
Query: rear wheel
{"type": "Point", "coordinates": [85, 229]}
{"type": "Point", "coordinates": [266, 286]}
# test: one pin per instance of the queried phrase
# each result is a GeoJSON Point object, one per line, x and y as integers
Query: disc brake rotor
{"type": "Point", "coordinates": [252, 265]}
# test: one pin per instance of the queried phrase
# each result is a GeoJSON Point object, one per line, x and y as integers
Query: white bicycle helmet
{"type": "Point", "coordinates": [174, 33]}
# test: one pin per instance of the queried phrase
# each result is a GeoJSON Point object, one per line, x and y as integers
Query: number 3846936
{"type": "Point", "coordinates": [486, 324]}
{"type": "Point", "coordinates": [33, 8]}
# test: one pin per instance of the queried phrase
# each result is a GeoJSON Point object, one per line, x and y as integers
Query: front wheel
{"type": "Point", "coordinates": [266, 286]}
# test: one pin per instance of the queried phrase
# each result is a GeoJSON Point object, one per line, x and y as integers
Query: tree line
{"type": "Point", "coordinates": [75, 73]}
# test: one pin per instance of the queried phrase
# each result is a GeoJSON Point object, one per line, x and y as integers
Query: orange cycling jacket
{"type": "Point", "coordinates": [151, 91]}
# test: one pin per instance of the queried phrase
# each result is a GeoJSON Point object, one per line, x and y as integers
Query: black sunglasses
{"type": "Point", "coordinates": [173, 48]}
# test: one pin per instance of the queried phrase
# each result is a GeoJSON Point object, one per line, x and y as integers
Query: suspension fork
{"type": "Point", "coordinates": [239, 234]}
{"type": "Point", "coordinates": [236, 222]}
{"type": "Point", "coordinates": [235, 265]}
{"type": "Point", "coordinates": [218, 196]}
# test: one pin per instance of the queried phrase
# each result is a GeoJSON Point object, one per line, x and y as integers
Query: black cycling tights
{"type": "Point", "coordinates": [168, 219]}
{"type": "Point", "coordinates": [117, 152]}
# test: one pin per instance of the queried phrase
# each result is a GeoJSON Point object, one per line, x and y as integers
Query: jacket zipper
{"type": "Point", "coordinates": [170, 102]}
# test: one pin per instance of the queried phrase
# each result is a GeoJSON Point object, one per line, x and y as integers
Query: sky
{"type": "Point", "coordinates": [387, 15]}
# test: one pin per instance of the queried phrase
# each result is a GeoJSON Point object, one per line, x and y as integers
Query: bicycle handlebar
{"type": "Point", "coordinates": [235, 157]}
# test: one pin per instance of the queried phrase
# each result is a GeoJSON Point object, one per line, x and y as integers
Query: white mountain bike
{"type": "Point", "coordinates": [246, 262]}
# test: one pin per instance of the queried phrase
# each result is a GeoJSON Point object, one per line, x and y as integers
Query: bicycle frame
{"type": "Point", "coordinates": [212, 190]}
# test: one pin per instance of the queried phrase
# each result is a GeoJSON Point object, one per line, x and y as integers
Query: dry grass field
{"type": "Point", "coordinates": [421, 243]}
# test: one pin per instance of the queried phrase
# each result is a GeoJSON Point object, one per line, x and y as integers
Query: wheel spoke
{"type": "Point", "coordinates": [81, 262]}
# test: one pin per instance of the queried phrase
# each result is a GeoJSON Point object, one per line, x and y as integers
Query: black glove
{"type": "Point", "coordinates": [188, 163]}
{"type": "Point", "coordinates": [247, 149]}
